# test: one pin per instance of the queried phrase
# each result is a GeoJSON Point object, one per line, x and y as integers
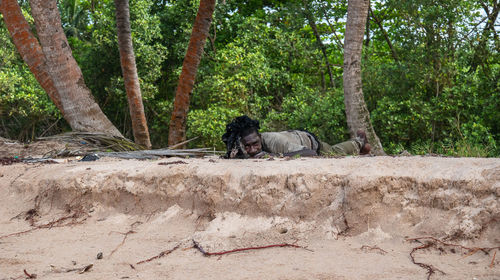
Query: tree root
{"type": "Point", "coordinates": [430, 268]}
{"type": "Point", "coordinates": [207, 254]}
{"type": "Point", "coordinates": [492, 264]}
{"type": "Point", "coordinates": [486, 250]}
{"type": "Point", "coordinates": [61, 222]}
{"type": "Point", "coordinates": [125, 235]}
{"type": "Point", "coordinates": [375, 247]}
{"type": "Point", "coordinates": [433, 241]}
{"type": "Point", "coordinates": [162, 254]}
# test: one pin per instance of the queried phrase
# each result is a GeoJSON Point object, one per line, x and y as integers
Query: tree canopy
{"type": "Point", "coordinates": [430, 71]}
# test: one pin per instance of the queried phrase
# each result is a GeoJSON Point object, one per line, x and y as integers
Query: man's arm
{"type": "Point", "coordinates": [303, 153]}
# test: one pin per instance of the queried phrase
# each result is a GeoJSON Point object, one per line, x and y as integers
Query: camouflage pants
{"type": "Point", "coordinates": [347, 148]}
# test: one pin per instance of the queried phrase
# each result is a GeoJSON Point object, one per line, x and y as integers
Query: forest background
{"type": "Point", "coordinates": [431, 71]}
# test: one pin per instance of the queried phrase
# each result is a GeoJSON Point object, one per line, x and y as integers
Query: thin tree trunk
{"type": "Point", "coordinates": [177, 129]}
{"type": "Point", "coordinates": [80, 109]}
{"type": "Point", "coordinates": [337, 39]}
{"type": "Point", "coordinates": [322, 47]}
{"type": "Point", "coordinates": [357, 113]}
{"type": "Point", "coordinates": [28, 47]}
{"type": "Point", "coordinates": [480, 52]}
{"type": "Point", "coordinates": [130, 77]}
{"type": "Point", "coordinates": [386, 36]}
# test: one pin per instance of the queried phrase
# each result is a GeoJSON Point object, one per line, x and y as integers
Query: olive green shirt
{"type": "Point", "coordinates": [288, 141]}
{"type": "Point", "coordinates": [296, 140]}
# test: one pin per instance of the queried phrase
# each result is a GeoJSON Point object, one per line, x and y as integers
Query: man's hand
{"type": "Point", "coordinates": [262, 155]}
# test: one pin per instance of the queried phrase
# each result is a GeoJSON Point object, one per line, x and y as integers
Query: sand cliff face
{"type": "Point", "coordinates": [355, 214]}
{"type": "Point", "coordinates": [442, 196]}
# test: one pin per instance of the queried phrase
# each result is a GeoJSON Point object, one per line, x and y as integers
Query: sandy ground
{"type": "Point", "coordinates": [351, 216]}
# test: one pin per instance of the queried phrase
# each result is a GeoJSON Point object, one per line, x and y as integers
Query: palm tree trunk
{"type": "Point", "coordinates": [28, 47]}
{"type": "Point", "coordinates": [177, 129]}
{"type": "Point", "coordinates": [130, 77]}
{"type": "Point", "coordinates": [79, 107]}
{"type": "Point", "coordinates": [357, 113]}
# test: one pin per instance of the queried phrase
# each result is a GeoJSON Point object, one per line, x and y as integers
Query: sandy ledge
{"type": "Point", "coordinates": [335, 207]}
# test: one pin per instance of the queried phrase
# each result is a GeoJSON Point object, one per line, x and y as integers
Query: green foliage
{"type": "Point", "coordinates": [436, 91]}
{"type": "Point", "coordinates": [432, 100]}
{"type": "Point", "coordinates": [322, 115]}
{"type": "Point", "coordinates": [260, 73]}
{"type": "Point", "coordinates": [209, 125]}
{"type": "Point", "coordinates": [25, 109]}
{"type": "Point", "coordinates": [75, 17]}
{"type": "Point", "coordinates": [100, 62]}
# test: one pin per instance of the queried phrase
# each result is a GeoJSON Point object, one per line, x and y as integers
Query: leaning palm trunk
{"type": "Point", "coordinates": [28, 47]}
{"type": "Point", "coordinates": [357, 113]}
{"type": "Point", "coordinates": [130, 77]}
{"type": "Point", "coordinates": [177, 129]}
{"type": "Point", "coordinates": [79, 107]}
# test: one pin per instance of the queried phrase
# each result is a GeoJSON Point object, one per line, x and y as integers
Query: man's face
{"type": "Point", "coordinates": [252, 144]}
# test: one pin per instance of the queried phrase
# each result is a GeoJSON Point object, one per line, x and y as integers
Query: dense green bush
{"type": "Point", "coordinates": [25, 110]}
{"type": "Point", "coordinates": [436, 91]}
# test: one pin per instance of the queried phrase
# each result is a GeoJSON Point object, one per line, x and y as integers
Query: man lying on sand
{"type": "Point", "coordinates": [243, 140]}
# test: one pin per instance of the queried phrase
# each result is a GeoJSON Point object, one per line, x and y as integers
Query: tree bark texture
{"type": "Point", "coordinates": [130, 77]}
{"type": "Point", "coordinates": [357, 113]}
{"type": "Point", "coordinates": [177, 129]}
{"type": "Point", "coordinates": [28, 47]}
{"type": "Point", "coordinates": [79, 107]}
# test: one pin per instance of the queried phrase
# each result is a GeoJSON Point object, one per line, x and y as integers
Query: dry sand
{"type": "Point", "coordinates": [352, 214]}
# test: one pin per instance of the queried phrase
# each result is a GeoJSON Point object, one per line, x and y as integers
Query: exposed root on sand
{"type": "Point", "coordinates": [207, 254]}
{"type": "Point", "coordinates": [76, 218]}
{"type": "Point", "coordinates": [371, 248]}
{"type": "Point", "coordinates": [162, 254]}
{"type": "Point", "coordinates": [432, 241]}
{"type": "Point", "coordinates": [125, 235]}
{"type": "Point", "coordinates": [430, 268]}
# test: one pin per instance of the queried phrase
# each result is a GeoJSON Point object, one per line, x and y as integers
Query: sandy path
{"type": "Point", "coordinates": [232, 204]}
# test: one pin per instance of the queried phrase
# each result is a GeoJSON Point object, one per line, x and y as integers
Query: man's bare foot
{"type": "Point", "coordinates": [365, 150]}
{"type": "Point", "coordinates": [365, 146]}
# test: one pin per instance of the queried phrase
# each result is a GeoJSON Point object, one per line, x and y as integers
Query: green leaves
{"type": "Point", "coordinates": [441, 96]}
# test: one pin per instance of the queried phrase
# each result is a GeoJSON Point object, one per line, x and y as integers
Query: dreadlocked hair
{"type": "Point", "coordinates": [235, 130]}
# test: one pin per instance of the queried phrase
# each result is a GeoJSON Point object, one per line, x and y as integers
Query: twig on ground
{"type": "Point", "coordinates": [433, 241]}
{"type": "Point", "coordinates": [475, 250]}
{"type": "Point", "coordinates": [80, 270]}
{"type": "Point", "coordinates": [430, 269]}
{"type": "Point", "coordinates": [486, 250]}
{"type": "Point", "coordinates": [86, 268]}
{"type": "Point", "coordinates": [206, 254]}
{"type": "Point", "coordinates": [183, 143]}
{"type": "Point", "coordinates": [173, 162]}
{"type": "Point", "coordinates": [162, 254]}
{"type": "Point", "coordinates": [492, 264]}
{"type": "Point", "coordinates": [56, 223]}
{"type": "Point", "coordinates": [375, 247]}
{"type": "Point", "coordinates": [125, 235]}
{"type": "Point", "coordinates": [30, 276]}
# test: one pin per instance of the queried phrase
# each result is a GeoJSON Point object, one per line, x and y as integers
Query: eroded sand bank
{"type": "Point", "coordinates": [355, 214]}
